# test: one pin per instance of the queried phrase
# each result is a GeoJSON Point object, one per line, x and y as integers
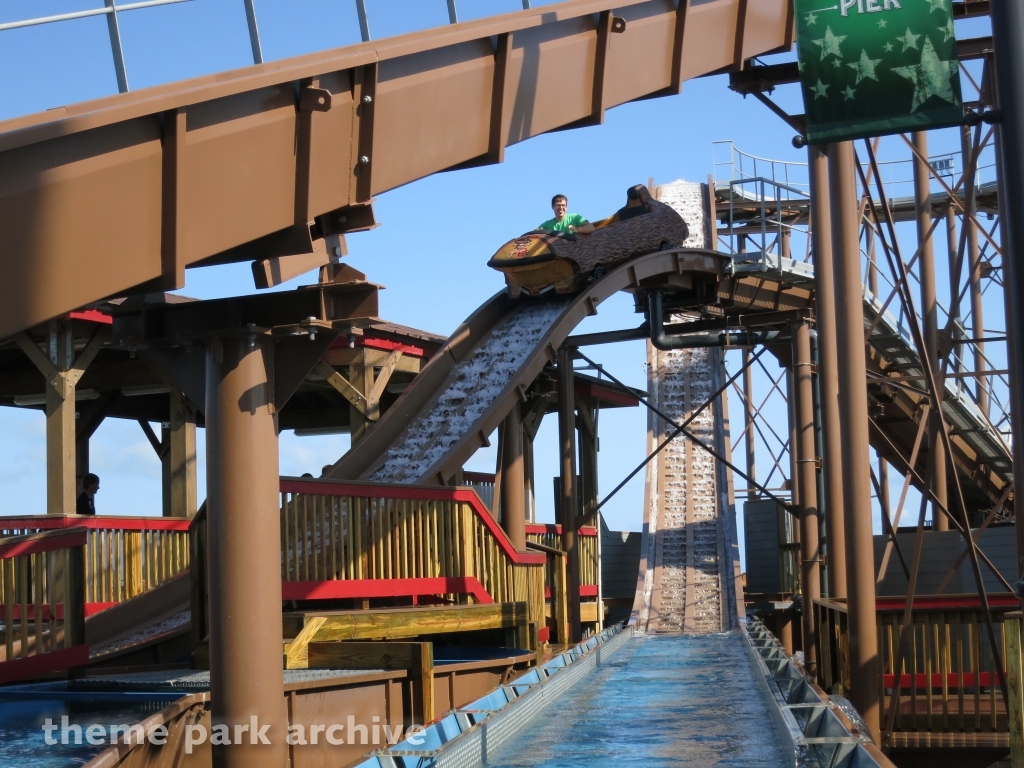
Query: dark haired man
{"type": "Point", "coordinates": [86, 505]}
{"type": "Point", "coordinates": [566, 222]}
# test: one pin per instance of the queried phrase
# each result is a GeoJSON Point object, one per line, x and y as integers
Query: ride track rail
{"type": "Point", "coordinates": [416, 405]}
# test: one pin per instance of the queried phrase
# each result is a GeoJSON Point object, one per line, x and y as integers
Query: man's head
{"type": "Point", "coordinates": [559, 204]}
{"type": "Point", "coordinates": [91, 484]}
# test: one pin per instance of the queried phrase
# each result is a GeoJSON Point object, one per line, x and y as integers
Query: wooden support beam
{"type": "Point", "coordinates": [361, 375]}
{"type": "Point", "coordinates": [343, 385]}
{"type": "Point", "coordinates": [398, 623]}
{"type": "Point", "coordinates": [384, 377]}
{"type": "Point", "coordinates": [156, 442]}
{"type": "Point", "coordinates": [62, 374]}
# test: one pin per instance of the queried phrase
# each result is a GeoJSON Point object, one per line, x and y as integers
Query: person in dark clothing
{"type": "Point", "coordinates": [86, 504]}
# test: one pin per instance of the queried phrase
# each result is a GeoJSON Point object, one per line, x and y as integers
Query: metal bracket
{"type": "Point", "coordinates": [315, 99]}
{"type": "Point", "coordinates": [618, 24]}
{"type": "Point", "coordinates": [351, 218]}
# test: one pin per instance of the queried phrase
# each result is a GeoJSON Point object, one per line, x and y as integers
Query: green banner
{"type": "Point", "coordinates": [875, 67]}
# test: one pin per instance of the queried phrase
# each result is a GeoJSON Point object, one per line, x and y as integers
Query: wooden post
{"type": "Point", "coordinates": [423, 671]}
{"type": "Point", "coordinates": [60, 423]}
{"type": "Point", "coordinates": [559, 599]}
{"type": "Point", "coordinates": [182, 458]}
{"type": "Point", "coordinates": [360, 374]}
{"type": "Point", "coordinates": [1015, 685]}
{"type": "Point", "coordinates": [74, 597]}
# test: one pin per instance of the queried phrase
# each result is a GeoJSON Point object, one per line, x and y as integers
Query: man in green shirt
{"type": "Point", "coordinates": [566, 222]}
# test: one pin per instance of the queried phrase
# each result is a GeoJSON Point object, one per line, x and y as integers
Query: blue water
{"type": "Point", "coordinates": [671, 701]}
{"type": "Point", "coordinates": [22, 739]}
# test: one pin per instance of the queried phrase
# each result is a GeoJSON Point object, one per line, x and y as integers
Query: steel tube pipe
{"type": "Point", "coordinates": [513, 480]}
{"type": "Point", "coordinates": [930, 313]}
{"type": "Point", "coordinates": [567, 501]}
{"type": "Point", "coordinates": [807, 482]}
{"type": "Point", "coordinates": [828, 369]}
{"type": "Point", "coordinates": [853, 404]}
{"type": "Point", "coordinates": [246, 679]}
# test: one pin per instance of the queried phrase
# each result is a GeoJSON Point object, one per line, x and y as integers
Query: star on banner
{"type": "Point", "coordinates": [888, 47]}
{"type": "Point", "coordinates": [820, 90]}
{"type": "Point", "coordinates": [865, 68]}
{"type": "Point", "coordinates": [849, 93]}
{"type": "Point", "coordinates": [829, 44]}
{"type": "Point", "coordinates": [811, 18]}
{"type": "Point", "coordinates": [882, 23]}
{"type": "Point", "coordinates": [909, 40]}
{"type": "Point", "coordinates": [947, 31]}
{"type": "Point", "coordinates": [937, 5]}
{"type": "Point", "coordinates": [930, 78]}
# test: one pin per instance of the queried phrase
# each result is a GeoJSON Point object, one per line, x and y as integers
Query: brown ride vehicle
{"type": "Point", "coordinates": [541, 261]}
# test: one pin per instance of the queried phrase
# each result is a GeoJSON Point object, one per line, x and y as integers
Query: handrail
{"type": "Point", "coordinates": [124, 556]}
{"type": "Point", "coordinates": [556, 528]}
{"type": "Point", "coordinates": [94, 522]}
{"type": "Point", "coordinates": [964, 602]}
{"type": "Point", "coordinates": [37, 543]}
{"type": "Point", "coordinates": [414, 493]}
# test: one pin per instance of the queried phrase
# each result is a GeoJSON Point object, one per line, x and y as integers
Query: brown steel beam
{"type": "Point", "coordinates": [853, 404]}
{"type": "Point", "coordinates": [221, 167]}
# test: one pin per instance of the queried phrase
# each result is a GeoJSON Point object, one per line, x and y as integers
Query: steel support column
{"type": "Point", "coordinates": [748, 425]}
{"type": "Point", "coordinates": [828, 369]}
{"type": "Point", "coordinates": [513, 480]}
{"type": "Point", "coordinates": [807, 482]}
{"type": "Point", "coordinates": [567, 501]}
{"type": "Point", "coordinates": [1008, 36]}
{"type": "Point", "coordinates": [974, 274]}
{"type": "Point", "coordinates": [853, 404]}
{"type": "Point", "coordinates": [930, 312]}
{"type": "Point", "coordinates": [246, 679]}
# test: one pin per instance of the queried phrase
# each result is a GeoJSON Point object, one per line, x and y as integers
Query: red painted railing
{"type": "Point", "coordinates": [42, 597]}
{"type": "Point", "coordinates": [124, 557]}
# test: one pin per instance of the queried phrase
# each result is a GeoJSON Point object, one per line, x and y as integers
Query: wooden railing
{"type": "Point", "coordinates": [948, 683]}
{"type": "Point", "coordinates": [366, 541]}
{"type": "Point", "coordinates": [483, 484]}
{"type": "Point", "coordinates": [124, 557]}
{"type": "Point", "coordinates": [43, 602]}
{"type": "Point", "coordinates": [551, 536]}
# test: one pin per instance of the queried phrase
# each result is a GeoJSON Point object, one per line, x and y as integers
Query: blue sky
{"type": "Point", "coordinates": [429, 288]}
